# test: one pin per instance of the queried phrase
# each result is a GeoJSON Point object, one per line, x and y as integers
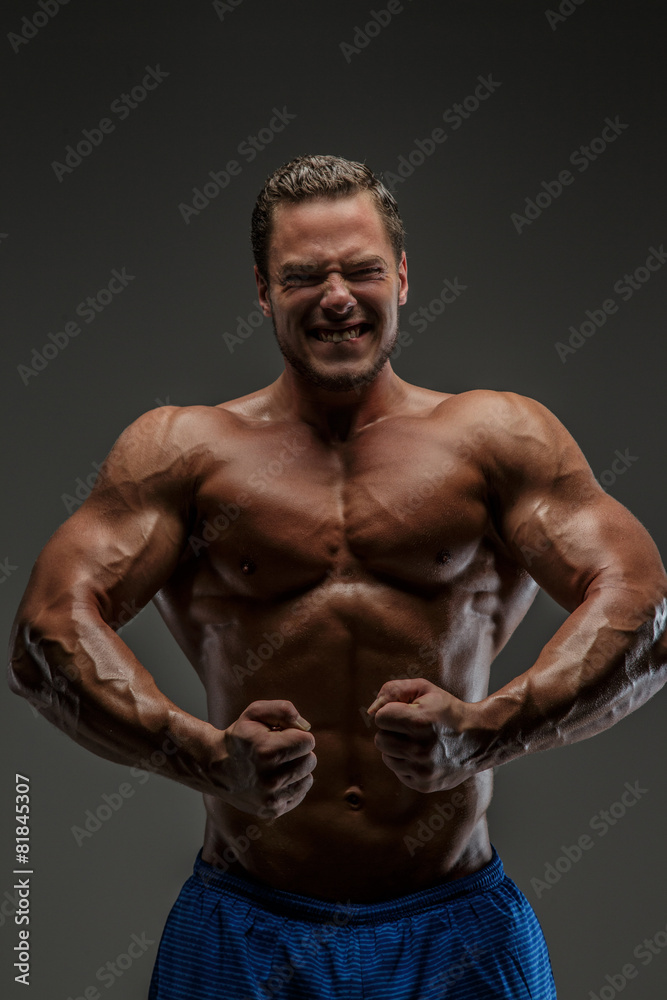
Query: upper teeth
{"type": "Point", "coordinates": [336, 337]}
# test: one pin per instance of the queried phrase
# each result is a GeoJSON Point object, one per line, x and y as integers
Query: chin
{"type": "Point", "coordinates": [324, 376]}
{"type": "Point", "coordinates": [338, 381]}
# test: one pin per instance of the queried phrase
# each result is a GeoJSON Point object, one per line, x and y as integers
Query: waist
{"type": "Point", "coordinates": [341, 912]}
{"type": "Point", "coordinates": [396, 839]}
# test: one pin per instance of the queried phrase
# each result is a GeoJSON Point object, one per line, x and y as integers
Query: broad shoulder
{"type": "Point", "coordinates": [167, 445]}
{"type": "Point", "coordinates": [498, 408]}
{"type": "Point", "coordinates": [472, 408]}
{"type": "Point", "coordinates": [166, 430]}
{"type": "Point", "coordinates": [514, 437]}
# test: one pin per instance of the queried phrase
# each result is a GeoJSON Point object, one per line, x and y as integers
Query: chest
{"type": "Point", "coordinates": [281, 510]}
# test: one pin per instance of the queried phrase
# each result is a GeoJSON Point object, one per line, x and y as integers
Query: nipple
{"type": "Point", "coordinates": [248, 566]}
{"type": "Point", "coordinates": [443, 556]}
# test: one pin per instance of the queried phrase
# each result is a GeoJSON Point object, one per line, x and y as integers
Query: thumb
{"type": "Point", "coordinates": [298, 723]}
{"type": "Point", "coordinates": [406, 691]}
{"type": "Point", "coordinates": [277, 715]}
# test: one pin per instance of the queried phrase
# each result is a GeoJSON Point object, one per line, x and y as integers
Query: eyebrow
{"type": "Point", "coordinates": [313, 267]}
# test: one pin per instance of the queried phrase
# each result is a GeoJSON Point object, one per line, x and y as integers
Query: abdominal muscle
{"type": "Point", "coordinates": [359, 834]}
{"type": "Point", "coordinates": [333, 847]}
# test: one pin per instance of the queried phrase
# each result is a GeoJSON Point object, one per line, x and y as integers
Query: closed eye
{"type": "Point", "coordinates": [313, 278]}
{"type": "Point", "coordinates": [301, 279]}
{"type": "Point", "coordinates": [367, 272]}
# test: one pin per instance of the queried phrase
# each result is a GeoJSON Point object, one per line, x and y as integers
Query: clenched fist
{"type": "Point", "coordinates": [427, 737]}
{"type": "Point", "coordinates": [267, 759]}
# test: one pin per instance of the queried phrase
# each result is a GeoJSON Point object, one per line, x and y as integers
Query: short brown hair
{"type": "Point", "coordinates": [320, 177]}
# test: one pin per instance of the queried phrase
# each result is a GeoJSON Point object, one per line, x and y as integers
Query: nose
{"type": "Point", "coordinates": [336, 296]}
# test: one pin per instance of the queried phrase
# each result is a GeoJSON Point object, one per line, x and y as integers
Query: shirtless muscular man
{"type": "Point", "coordinates": [343, 609]}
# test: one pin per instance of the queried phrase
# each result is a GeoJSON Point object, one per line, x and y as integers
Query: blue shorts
{"type": "Point", "coordinates": [229, 937]}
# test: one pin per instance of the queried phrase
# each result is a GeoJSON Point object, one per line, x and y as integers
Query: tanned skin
{"type": "Point", "coordinates": [309, 542]}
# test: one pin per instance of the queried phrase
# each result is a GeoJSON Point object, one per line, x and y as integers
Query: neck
{"type": "Point", "coordinates": [338, 415]}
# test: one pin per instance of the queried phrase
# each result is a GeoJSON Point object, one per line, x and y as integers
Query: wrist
{"type": "Point", "coordinates": [488, 732]}
{"type": "Point", "coordinates": [199, 750]}
{"type": "Point", "coordinates": [466, 736]}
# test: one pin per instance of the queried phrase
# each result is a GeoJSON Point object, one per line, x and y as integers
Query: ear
{"type": "Point", "coordinates": [263, 293]}
{"type": "Point", "coordinates": [403, 280]}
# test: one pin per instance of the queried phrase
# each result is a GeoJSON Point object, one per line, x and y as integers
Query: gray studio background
{"type": "Point", "coordinates": [160, 340]}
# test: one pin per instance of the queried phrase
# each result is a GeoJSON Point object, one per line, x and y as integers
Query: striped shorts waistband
{"type": "Point", "coordinates": [344, 912]}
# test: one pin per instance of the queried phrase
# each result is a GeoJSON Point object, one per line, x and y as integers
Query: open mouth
{"type": "Point", "coordinates": [338, 336]}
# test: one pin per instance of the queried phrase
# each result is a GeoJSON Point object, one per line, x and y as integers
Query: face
{"type": "Point", "coordinates": [334, 290]}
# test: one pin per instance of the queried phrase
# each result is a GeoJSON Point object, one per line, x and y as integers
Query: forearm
{"type": "Point", "coordinates": [607, 659]}
{"type": "Point", "coordinates": [81, 676]}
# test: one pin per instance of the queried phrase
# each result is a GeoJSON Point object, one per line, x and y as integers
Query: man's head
{"type": "Point", "coordinates": [308, 177]}
{"type": "Point", "coordinates": [328, 244]}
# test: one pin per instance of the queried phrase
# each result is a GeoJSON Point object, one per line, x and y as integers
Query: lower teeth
{"type": "Point", "coordinates": [328, 340]}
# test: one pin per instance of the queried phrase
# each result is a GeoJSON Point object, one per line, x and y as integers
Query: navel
{"type": "Point", "coordinates": [354, 797]}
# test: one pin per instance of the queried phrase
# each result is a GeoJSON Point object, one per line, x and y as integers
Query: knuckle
{"type": "Point", "coordinates": [265, 753]}
{"type": "Point", "coordinates": [271, 798]}
{"type": "Point", "coordinates": [272, 786]}
{"type": "Point", "coordinates": [269, 811]}
{"type": "Point", "coordinates": [252, 709]}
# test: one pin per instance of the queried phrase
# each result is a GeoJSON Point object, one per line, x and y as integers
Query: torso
{"type": "Point", "coordinates": [316, 572]}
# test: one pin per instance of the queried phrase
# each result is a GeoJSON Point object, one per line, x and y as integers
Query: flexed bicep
{"type": "Point", "coordinates": [556, 520]}
{"type": "Point", "coordinates": [117, 550]}
{"type": "Point", "coordinates": [96, 572]}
